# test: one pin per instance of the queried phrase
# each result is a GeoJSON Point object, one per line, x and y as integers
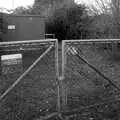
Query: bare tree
{"type": "Point", "coordinates": [108, 7]}
{"type": "Point", "coordinates": [100, 7]}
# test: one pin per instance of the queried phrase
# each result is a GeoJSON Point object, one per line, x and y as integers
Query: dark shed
{"type": "Point", "coordinates": [25, 27]}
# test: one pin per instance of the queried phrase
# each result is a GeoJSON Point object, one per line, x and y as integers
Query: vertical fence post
{"type": "Point", "coordinates": [57, 77]}
{"type": "Point", "coordinates": [63, 58]}
{"type": "Point", "coordinates": [64, 86]}
{"type": "Point", "coordinates": [65, 63]}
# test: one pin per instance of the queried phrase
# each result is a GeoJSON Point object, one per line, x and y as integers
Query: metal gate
{"type": "Point", "coordinates": [90, 75]}
{"type": "Point", "coordinates": [31, 90]}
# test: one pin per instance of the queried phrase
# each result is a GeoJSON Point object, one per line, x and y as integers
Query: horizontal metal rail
{"type": "Point", "coordinates": [92, 40]}
{"type": "Point", "coordinates": [28, 41]}
{"type": "Point", "coordinates": [25, 44]}
{"type": "Point", "coordinates": [20, 50]}
{"type": "Point", "coordinates": [25, 73]}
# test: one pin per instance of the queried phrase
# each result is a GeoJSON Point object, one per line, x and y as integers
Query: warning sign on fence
{"type": "Point", "coordinates": [11, 63]}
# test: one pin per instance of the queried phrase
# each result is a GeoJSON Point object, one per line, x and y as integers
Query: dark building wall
{"type": "Point", "coordinates": [2, 25]}
{"type": "Point", "coordinates": [24, 28]}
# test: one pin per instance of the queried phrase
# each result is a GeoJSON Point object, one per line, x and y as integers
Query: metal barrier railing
{"type": "Point", "coordinates": [35, 91]}
{"type": "Point", "coordinates": [88, 76]}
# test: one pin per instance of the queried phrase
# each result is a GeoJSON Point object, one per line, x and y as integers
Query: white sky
{"type": "Point", "coordinates": [85, 1]}
{"type": "Point", "coordinates": [9, 3]}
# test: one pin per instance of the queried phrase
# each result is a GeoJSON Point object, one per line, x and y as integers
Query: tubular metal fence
{"type": "Point", "coordinates": [90, 77]}
{"type": "Point", "coordinates": [31, 86]}
{"type": "Point", "coordinates": [31, 90]}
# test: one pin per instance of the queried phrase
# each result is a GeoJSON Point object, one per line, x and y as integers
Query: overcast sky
{"type": "Point", "coordinates": [9, 3]}
{"type": "Point", "coordinates": [85, 1]}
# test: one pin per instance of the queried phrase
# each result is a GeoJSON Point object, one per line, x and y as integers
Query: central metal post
{"type": "Point", "coordinates": [62, 78]}
{"type": "Point", "coordinates": [57, 77]}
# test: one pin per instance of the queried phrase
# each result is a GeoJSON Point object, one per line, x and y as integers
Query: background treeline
{"type": "Point", "coordinates": [68, 20]}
